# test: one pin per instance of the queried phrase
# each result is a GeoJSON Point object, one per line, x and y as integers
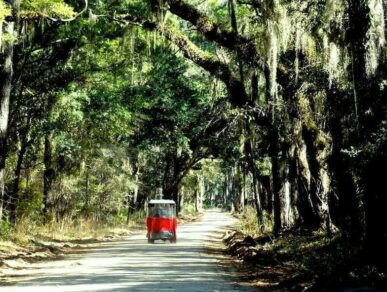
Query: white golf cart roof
{"type": "Point", "coordinates": [162, 202]}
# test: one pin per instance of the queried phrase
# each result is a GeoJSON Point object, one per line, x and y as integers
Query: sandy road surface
{"type": "Point", "coordinates": [135, 265]}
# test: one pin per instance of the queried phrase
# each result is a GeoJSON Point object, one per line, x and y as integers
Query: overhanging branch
{"type": "Point", "coordinates": [243, 46]}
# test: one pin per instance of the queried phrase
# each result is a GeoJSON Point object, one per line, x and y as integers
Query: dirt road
{"type": "Point", "coordinates": [135, 265]}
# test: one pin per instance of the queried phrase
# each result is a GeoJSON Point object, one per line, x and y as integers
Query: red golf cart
{"type": "Point", "coordinates": [161, 222]}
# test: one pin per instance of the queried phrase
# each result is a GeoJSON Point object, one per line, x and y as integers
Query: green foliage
{"type": "Point", "coordinates": [188, 209]}
{"type": "Point", "coordinates": [264, 166]}
{"type": "Point", "coordinates": [4, 10]}
{"type": "Point", "coordinates": [5, 228]}
{"type": "Point", "coordinates": [53, 8]}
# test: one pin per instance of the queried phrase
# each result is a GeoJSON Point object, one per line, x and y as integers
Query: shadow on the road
{"type": "Point", "coordinates": [186, 276]}
{"type": "Point", "coordinates": [135, 265]}
{"type": "Point", "coordinates": [191, 274]}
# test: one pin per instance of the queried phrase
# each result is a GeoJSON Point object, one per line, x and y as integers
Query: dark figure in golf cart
{"type": "Point", "coordinates": [161, 221]}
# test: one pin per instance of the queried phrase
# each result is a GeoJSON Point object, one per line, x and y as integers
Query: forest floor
{"type": "Point", "coordinates": [20, 248]}
{"type": "Point", "coordinates": [298, 262]}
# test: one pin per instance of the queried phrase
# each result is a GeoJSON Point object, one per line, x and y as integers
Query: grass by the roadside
{"type": "Point", "coordinates": [188, 214]}
{"type": "Point", "coordinates": [248, 222]}
{"type": "Point", "coordinates": [67, 230]}
{"type": "Point", "coordinates": [47, 240]}
{"type": "Point", "coordinates": [29, 237]}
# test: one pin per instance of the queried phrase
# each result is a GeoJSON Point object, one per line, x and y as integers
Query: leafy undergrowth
{"type": "Point", "coordinates": [303, 262]}
{"type": "Point", "coordinates": [188, 214]}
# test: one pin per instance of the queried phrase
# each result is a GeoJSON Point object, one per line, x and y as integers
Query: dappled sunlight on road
{"type": "Point", "coordinates": [135, 265]}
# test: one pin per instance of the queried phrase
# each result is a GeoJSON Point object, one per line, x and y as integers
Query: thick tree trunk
{"type": "Point", "coordinates": [264, 188]}
{"type": "Point", "coordinates": [304, 203]}
{"type": "Point", "coordinates": [237, 188]}
{"type": "Point", "coordinates": [132, 199]}
{"type": "Point", "coordinates": [249, 148]}
{"type": "Point", "coordinates": [287, 210]}
{"type": "Point", "coordinates": [14, 194]}
{"type": "Point", "coordinates": [371, 105]}
{"type": "Point", "coordinates": [6, 74]}
{"type": "Point", "coordinates": [171, 192]}
{"type": "Point", "coordinates": [318, 150]}
{"type": "Point", "coordinates": [173, 174]}
{"type": "Point", "coordinates": [257, 201]}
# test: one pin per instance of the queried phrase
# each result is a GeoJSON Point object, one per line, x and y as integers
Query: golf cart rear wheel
{"type": "Point", "coordinates": [151, 240]}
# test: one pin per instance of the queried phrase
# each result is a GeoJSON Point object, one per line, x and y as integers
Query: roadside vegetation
{"type": "Point", "coordinates": [298, 261]}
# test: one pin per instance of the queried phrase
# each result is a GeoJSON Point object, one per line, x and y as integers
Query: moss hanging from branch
{"type": "Point", "coordinates": [92, 18]}
{"type": "Point", "coordinates": [272, 57]}
{"type": "Point", "coordinates": [4, 12]}
{"type": "Point", "coordinates": [375, 35]}
{"type": "Point", "coordinates": [333, 62]}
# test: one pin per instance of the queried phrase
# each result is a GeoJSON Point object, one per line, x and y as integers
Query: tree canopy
{"type": "Point", "coordinates": [276, 104]}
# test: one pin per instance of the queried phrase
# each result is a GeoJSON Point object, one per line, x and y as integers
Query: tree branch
{"type": "Point", "coordinates": [243, 46]}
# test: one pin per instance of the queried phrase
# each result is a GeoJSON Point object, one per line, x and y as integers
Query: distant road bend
{"type": "Point", "coordinates": [135, 265]}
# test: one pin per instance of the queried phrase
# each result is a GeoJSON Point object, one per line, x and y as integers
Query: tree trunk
{"type": "Point", "coordinates": [226, 199]}
{"type": "Point", "coordinates": [199, 194]}
{"type": "Point", "coordinates": [6, 74]}
{"type": "Point", "coordinates": [49, 173]}
{"type": "Point", "coordinates": [264, 188]}
{"type": "Point", "coordinates": [132, 199]}
{"type": "Point", "coordinates": [129, 207]}
{"type": "Point", "coordinates": [171, 192]}
{"type": "Point", "coordinates": [87, 191]}
{"type": "Point", "coordinates": [318, 150]}
{"type": "Point", "coordinates": [276, 179]}
{"type": "Point", "coordinates": [257, 201]}
{"type": "Point", "coordinates": [237, 188]}
{"type": "Point", "coordinates": [287, 204]}
{"type": "Point", "coordinates": [14, 194]}
{"type": "Point", "coordinates": [249, 148]}
{"type": "Point", "coordinates": [371, 105]}
{"type": "Point", "coordinates": [181, 196]}
{"type": "Point", "coordinates": [135, 192]}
